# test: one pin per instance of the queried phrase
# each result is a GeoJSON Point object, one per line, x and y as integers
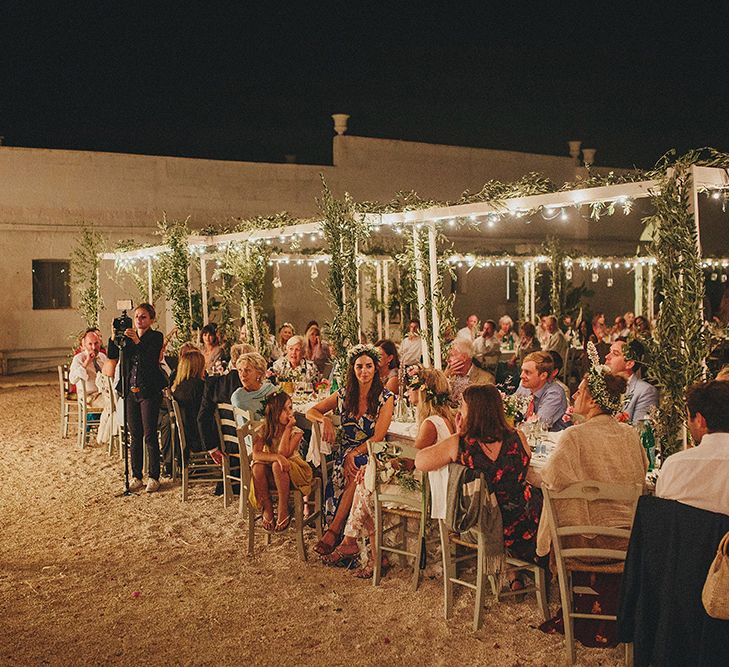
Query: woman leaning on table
{"type": "Point", "coordinates": [485, 442]}
{"type": "Point", "coordinates": [365, 408]}
{"type": "Point", "coordinates": [144, 384]}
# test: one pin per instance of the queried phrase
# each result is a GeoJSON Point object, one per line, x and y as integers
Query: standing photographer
{"type": "Point", "coordinates": [144, 381]}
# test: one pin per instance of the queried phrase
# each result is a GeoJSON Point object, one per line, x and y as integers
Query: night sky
{"type": "Point", "coordinates": [227, 83]}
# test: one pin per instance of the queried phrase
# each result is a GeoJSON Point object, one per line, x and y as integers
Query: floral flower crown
{"type": "Point", "coordinates": [416, 382]}
{"type": "Point", "coordinates": [358, 350]}
{"type": "Point", "coordinates": [278, 389]}
{"type": "Point", "coordinates": [596, 383]}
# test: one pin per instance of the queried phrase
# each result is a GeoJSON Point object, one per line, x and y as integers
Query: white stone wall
{"type": "Point", "coordinates": [46, 194]}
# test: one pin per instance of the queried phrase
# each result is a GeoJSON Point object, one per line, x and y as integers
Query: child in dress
{"type": "Point", "coordinates": [277, 462]}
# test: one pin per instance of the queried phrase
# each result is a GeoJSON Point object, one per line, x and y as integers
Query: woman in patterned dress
{"type": "Point", "coordinates": [365, 408]}
{"type": "Point", "coordinates": [485, 442]}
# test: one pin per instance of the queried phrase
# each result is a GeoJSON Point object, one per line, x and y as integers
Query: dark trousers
{"type": "Point", "coordinates": [142, 414]}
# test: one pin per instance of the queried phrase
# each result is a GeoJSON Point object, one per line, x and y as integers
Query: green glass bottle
{"type": "Point", "coordinates": [648, 440]}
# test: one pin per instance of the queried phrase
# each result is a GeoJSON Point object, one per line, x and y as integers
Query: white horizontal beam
{"type": "Point", "coordinates": [567, 198]}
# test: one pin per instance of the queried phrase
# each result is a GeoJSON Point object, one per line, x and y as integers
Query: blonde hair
{"type": "Point", "coordinates": [254, 360]}
{"type": "Point", "coordinates": [238, 349]}
{"type": "Point", "coordinates": [307, 346]}
{"type": "Point", "coordinates": [723, 374]}
{"type": "Point", "coordinates": [437, 382]}
{"type": "Point", "coordinates": [295, 340]}
{"type": "Point", "coordinates": [191, 365]}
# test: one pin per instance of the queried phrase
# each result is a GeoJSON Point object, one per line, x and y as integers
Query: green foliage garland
{"type": "Point", "coordinates": [344, 232]}
{"type": "Point", "coordinates": [556, 254]}
{"type": "Point", "coordinates": [680, 340]}
{"type": "Point", "coordinates": [173, 275]}
{"type": "Point", "coordinates": [85, 262]}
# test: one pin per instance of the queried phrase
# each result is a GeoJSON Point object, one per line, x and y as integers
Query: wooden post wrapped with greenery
{"type": "Point", "coordinates": [553, 248]}
{"type": "Point", "coordinates": [343, 231]}
{"type": "Point", "coordinates": [408, 291]}
{"type": "Point", "coordinates": [680, 340]}
{"type": "Point", "coordinates": [85, 263]}
{"type": "Point", "coordinates": [173, 273]}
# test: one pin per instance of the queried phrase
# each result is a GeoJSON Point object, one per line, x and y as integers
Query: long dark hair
{"type": "Point", "coordinates": [275, 404]}
{"type": "Point", "coordinates": [485, 418]}
{"type": "Point", "coordinates": [391, 349]}
{"type": "Point", "coordinates": [351, 396]}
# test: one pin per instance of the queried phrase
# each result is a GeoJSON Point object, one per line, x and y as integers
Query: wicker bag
{"type": "Point", "coordinates": [715, 595]}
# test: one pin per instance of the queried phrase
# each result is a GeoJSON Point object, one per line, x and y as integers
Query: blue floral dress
{"type": "Point", "coordinates": [353, 433]}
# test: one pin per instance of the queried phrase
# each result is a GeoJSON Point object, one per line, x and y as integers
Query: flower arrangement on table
{"type": "Point", "coordinates": [515, 407]}
{"type": "Point", "coordinates": [323, 386]}
{"type": "Point", "coordinates": [393, 469]}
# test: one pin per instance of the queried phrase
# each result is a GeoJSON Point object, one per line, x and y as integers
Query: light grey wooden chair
{"type": "Point", "coordinates": [195, 467]}
{"type": "Point", "coordinates": [69, 403]}
{"type": "Point", "coordinates": [571, 559]}
{"type": "Point", "coordinates": [88, 417]}
{"type": "Point", "coordinates": [450, 542]}
{"type": "Point", "coordinates": [404, 508]}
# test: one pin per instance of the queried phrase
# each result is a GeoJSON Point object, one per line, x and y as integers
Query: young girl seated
{"type": "Point", "coordinates": [277, 462]}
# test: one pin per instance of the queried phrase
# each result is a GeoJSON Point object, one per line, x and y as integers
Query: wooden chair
{"type": "Point", "coordinates": [228, 443]}
{"type": "Point", "coordinates": [116, 435]}
{"type": "Point", "coordinates": [402, 507]}
{"type": "Point", "coordinates": [68, 399]}
{"type": "Point", "coordinates": [195, 467]}
{"type": "Point", "coordinates": [88, 417]}
{"type": "Point", "coordinates": [450, 542]}
{"type": "Point", "coordinates": [314, 502]}
{"type": "Point", "coordinates": [587, 559]}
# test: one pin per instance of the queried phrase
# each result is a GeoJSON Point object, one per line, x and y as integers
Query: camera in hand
{"type": "Point", "coordinates": [122, 323]}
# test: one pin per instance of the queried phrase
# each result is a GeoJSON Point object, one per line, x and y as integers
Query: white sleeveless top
{"type": "Point", "coordinates": [439, 478]}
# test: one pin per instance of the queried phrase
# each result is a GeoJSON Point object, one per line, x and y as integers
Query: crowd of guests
{"type": "Point", "coordinates": [460, 416]}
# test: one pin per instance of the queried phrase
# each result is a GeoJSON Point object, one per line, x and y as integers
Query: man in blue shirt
{"type": "Point", "coordinates": [548, 400]}
{"type": "Point", "coordinates": [626, 359]}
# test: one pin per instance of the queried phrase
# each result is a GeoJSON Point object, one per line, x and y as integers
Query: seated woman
{"type": "Point", "coordinates": [317, 350]}
{"type": "Point", "coordinates": [365, 408]}
{"type": "Point", "coordinates": [527, 344]}
{"type": "Point", "coordinates": [505, 332]}
{"type": "Point", "coordinates": [251, 368]}
{"type": "Point", "coordinates": [389, 366]}
{"type": "Point", "coordinates": [485, 442]}
{"type": "Point", "coordinates": [429, 392]}
{"type": "Point", "coordinates": [604, 450]}
{"type": "Point", "coordinates": [293, 367]}
{"type": "Point", "coordinates": [215, 356]}
{"type": "Point", "coordinates": [285, 331]}
{"type": "Point", "coordinates": [187, 390]}
{"type": "Point", "coordinates": [276, 461]}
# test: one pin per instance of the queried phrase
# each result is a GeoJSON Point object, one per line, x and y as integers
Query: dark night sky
{"type": "Point", "coordinates": [254, 84]}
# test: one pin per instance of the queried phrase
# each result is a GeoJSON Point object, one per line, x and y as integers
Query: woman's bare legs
{"type": "Point", "coordinates": [262, 478]}
{"type": "Point", "coordinates": [283, 485]}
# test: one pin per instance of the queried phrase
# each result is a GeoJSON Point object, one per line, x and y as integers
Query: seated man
{"type": "Point", "coordinates": [626, 359]}
{"type": "Point", "coordinates": [470, 331]}
{"type": "Point", "coordinates": [557, 341]}
{"type": "Point", "coordinates": [547, 399]}
{"type": "Point", "coordinates": [487, 348]}
{"type": "Point", "coordinates": [461, 371]}
{"type": "Point", "coordinates": [699, 476]}
{"type": "Point", "coordinates": [85, 367]}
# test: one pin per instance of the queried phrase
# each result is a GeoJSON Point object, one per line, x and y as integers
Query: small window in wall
{"type": "Point", "coordinates": [51, 284]}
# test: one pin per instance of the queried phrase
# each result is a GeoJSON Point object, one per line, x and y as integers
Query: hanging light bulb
{"type": "Point", "coordinates": [609, 282]}
{"type": "Point", "coordinates": [314, 271]}
{"type": "Point", "coordinates": [277, 276]}
{"type": "Point", "coordinates": [595, 277]}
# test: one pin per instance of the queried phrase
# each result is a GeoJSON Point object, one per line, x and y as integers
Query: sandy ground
{"type": "Point", "coordinates": [87, 577]}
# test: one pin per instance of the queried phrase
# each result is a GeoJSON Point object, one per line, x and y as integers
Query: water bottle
{"type": "Point", "coordinates": [647, 439]}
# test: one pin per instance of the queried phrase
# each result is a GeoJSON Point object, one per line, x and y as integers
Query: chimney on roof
{"type": "Point", "coordinates": [588, 156]}
{"type": "Point", "coordinates": [340, 122]}
{"type": "Point", "coordinates": [575, 151]}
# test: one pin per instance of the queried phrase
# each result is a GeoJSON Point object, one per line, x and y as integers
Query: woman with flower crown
{"type": "Point", "coordinates": [429, 392]}
{"type": "Point", "coordinates": [602, 449]}
{"type": "Point", "coordinates": [365, 408]}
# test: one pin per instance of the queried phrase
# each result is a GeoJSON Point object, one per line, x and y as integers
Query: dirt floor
{"type": "Point", "coordinates": [87, 577]}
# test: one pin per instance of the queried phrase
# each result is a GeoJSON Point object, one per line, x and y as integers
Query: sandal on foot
{"type": "Point", "coordinates": [324, 548]}
{"type": "Point", "coordinates": [365, 572]}
{"type": "Point", "coordinates": [283, 524]}
{"type": "Point", "coordinates": [267, 524]}
{"type": "Point", "coordinates": [337, 556]}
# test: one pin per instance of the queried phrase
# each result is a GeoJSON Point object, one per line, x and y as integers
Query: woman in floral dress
{"type": "Point", "coordinates": [365, 409]}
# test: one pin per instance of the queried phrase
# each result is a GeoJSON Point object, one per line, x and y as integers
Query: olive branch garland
{"type": "Point", "coordinates": [85, 263]}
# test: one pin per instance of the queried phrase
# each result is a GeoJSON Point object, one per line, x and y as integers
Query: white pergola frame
{"type": "Point", "coordinates": [702, 179]}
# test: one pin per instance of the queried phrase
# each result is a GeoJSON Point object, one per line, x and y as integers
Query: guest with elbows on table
{"type": "Point", "coordinates": [547, 400]}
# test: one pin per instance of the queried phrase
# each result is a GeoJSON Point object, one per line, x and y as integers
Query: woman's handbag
{"type": "Point", "coordinates": [715, 595]}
